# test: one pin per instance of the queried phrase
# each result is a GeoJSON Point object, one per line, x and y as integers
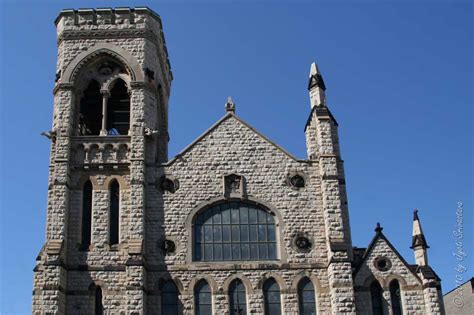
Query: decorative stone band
{"type": "Point", "coordinates": [107, 34]}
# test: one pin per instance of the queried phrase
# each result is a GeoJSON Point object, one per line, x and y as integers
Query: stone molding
{"type": "Point", "coordinates": [72, 69]}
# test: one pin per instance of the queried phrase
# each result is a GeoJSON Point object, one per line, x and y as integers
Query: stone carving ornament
{"type": "Point", "coordinates": [302, 243]}
{"type": "Point", "coordinates": [233, 185]}
{"type": "Point", "coordinates": [296, 180]}
{"type": "Point", "coordinates": [168, 246]}
{"type": "Point", "coordinates": [169, 183]}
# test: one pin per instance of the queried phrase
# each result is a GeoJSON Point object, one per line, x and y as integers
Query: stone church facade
{"type": "Point", "coordinates": [233, 224]}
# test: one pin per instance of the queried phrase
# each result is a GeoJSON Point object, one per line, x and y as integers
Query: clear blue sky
{"type": "Point", "coordinates": [399, 80]}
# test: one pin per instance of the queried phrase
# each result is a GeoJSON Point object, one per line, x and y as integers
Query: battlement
{"type": "Point", "coordinates": [95, 18]}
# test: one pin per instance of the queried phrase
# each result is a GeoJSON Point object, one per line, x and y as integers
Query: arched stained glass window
{"type": "Point", "coordinates": [202, 298]}
{"type": "Point", "coordinates": [235, 231]}
{"type": "Point", "coordinates": [238, 302]}
{"type": "Point", "coordinates": [114, 213]}
{"type": "Point", "coordinates": [271, 296]}
{"type": "Point", "coordinates": [376, 294]}
{"type": "Point", "coordinates": [169, 299]}
{"type": "Point", "coordinates": [395, 298]}
{"type": "Point", "coordinates": [306, 297]}
{"type": "Point", "coordinates": [86, 215]}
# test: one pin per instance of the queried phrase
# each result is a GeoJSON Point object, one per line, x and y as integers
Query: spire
{"type": "Point", "coordinates": [229, 105]}
{"type": "Point", "coordinates": [316, 87]}
{"type": "Point", "coordinates": [418, 243]}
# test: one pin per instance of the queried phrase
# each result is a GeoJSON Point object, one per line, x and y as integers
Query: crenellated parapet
{"type": "Point", "coordinates": [119, 23]}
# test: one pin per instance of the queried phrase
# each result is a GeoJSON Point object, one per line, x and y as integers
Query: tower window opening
{"type": "Point", "coordinates": [114, 213]}
{"type": "Point", "coordinates": [90, 113]}
{"type": "Point", "coordinates": [98, 305]}
{"type": "Point", "coordinates": [86, 215]}
{"type": "Point", "coordinates": [118, 110]}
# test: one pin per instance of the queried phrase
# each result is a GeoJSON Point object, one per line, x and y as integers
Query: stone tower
{"type": "Point", "coordinates": [234, 224]}
{"type": "Point", "coordinates": [109, 130]}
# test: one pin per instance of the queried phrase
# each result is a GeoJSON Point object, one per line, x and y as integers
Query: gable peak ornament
{"type": "Point", "coordinates": [230, 105]}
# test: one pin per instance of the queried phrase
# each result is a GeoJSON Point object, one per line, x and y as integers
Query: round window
{"type": "Point", "coordinates": [382, 263]}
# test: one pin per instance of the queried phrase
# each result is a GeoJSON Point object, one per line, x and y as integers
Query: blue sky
{"type": "Point", "coordinates": [399, 79]}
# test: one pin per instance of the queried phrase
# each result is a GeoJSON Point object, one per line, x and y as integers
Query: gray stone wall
{"type": "Point", "coordinates": [460, 301]}
{"type": "Point", "coordinates": [411, 288]}
{"type": "Point", "coordinates": [131, 273]}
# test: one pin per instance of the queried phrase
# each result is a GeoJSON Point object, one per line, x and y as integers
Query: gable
{"type": "Point", "coordinates": [231, 131]}
{"type": "Point", "coordinates": [398, 267]}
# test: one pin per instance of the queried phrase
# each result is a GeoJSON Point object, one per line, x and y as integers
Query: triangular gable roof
{"type": "Point", "coordinates": [380, 235]}
{"type": "Point", "coordinates": [218, 123]}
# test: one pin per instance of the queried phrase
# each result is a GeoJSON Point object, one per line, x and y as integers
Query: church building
{"type": "Point", "coordinates": [234, 224]}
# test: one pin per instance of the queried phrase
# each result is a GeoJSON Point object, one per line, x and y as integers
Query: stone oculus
{"type": "Point", "coordinates": [234, 224]}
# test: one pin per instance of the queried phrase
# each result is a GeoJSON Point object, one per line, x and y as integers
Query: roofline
{"type": "Point", "coordinates": [457, 287]}
{"type": "Point", "coordinates": [372, 245]}
{"type": "Point", "coordinates": [215, 125]}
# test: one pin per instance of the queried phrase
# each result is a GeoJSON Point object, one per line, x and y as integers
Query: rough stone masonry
{"type": "Point", "coordinates": [233, 224]}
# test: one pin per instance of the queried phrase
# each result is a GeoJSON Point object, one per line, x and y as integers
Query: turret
{"type": "Point", "coordinates": [322, 143]}
{"type": "Point", "coordinates": [419, 245]}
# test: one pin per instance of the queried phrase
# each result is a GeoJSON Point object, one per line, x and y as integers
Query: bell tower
{"type": "Point", "coordinates": [110, 128]}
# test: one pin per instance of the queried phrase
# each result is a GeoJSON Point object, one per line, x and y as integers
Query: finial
{"type": "Point", "coordinates": [313, 70]}
{"type": "Point", "coordinates": [229, 105]}
{"type": "Point", "coordinates": [378, 228]}
{"type": "Point", "coordinates": [315, 78]}
{"type": "Point", "coordinates": [415, 215]}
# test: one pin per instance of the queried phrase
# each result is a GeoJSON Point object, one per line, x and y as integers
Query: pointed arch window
{"type": "Point", "coordinates": [86, 215]}
{"type": "Point", "coordinates": [202, 298]}
{"type": "Point", "coordinates": [395, 298]}
{"type": "Point", "coordinates": [376, 294]}
{"type": "Point", "coordinates": [90, 110]}
{"type": "Point", "coordinates": [118, 109]}
{"type": "Point", "coordinates": [114, 213]}
{"type": "Point", "coordinates": [98, 304]}
{"type": "Point", "coordinates": [306, 297]}
{"type": "Point", "coordinates": [169, 299]}
{"type": "Point", "coordinates": [237, 299]}
{"type": "Point", "coordinates": [271, 297]}
{"type": "Point", "coordinates": [235, 231]}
